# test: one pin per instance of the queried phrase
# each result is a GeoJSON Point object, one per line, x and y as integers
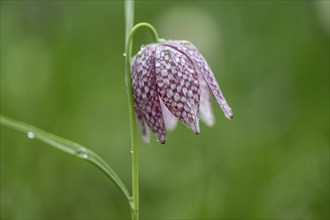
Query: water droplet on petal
{"type": "Point", "coordinates": [30, 135]}
{"type": "Point", "coordinates": [82, 153]}
{"type": "Point", "coordinates": [124, 54]}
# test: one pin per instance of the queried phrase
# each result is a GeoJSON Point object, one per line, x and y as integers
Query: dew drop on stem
{"type": "Point", "coordinates": [30, 135]}
{"type": "Point", "coordinates": [82, 153]}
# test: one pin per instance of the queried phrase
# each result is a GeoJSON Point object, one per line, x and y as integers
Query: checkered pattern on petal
{"type": "Point", "coordinates": [145, 94]}
{"type": "Point", "coordinates": [200, 63]}
{"type": "Point", "coordinates": [142, 124]}
{"type": "Point", "coordinates": [178, 85]}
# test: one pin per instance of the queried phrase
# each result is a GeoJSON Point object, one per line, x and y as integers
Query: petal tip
{"type": "Point", "coordinates": [229, 115]}
{"type": "Point", "coordinates": [161, 139]}
{"type": "Point", "coordinates": [227, 110]}
{"type": "Point", "coordinates": [195, 127]}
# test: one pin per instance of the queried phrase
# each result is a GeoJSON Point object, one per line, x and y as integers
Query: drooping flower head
{"type": "Point", "coordinates": [171, 80]}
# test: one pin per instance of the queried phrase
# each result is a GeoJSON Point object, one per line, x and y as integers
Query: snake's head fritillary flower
{"type": "Point", "coordinates": [171, 80]}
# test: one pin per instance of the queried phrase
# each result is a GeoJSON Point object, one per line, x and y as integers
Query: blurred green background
{"type": "Point", "coordinates": [62, 70]}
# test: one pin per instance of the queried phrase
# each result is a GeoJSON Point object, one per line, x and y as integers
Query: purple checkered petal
{"type": "Point", "coordinates": [146, 99]}
{"type": "Point", "coordinates": [143, 127]}
{"type": "Point", "coordinates": [201, 65]}
{"type": "Point", "coordinates": [178, 85]}
{"type": "Point", "coordinates": [142, 124]}
{"type": "Point", "coordinates": [169, 119]}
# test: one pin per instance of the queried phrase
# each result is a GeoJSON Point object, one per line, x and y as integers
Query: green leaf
{"type": "Point", "coordinates": [67, 146]}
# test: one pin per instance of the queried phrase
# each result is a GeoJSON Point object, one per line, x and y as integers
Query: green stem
{"type": "Point", "coordinates": [135, 169]}
{"type": "Point", "coordinates": [129, 21]}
